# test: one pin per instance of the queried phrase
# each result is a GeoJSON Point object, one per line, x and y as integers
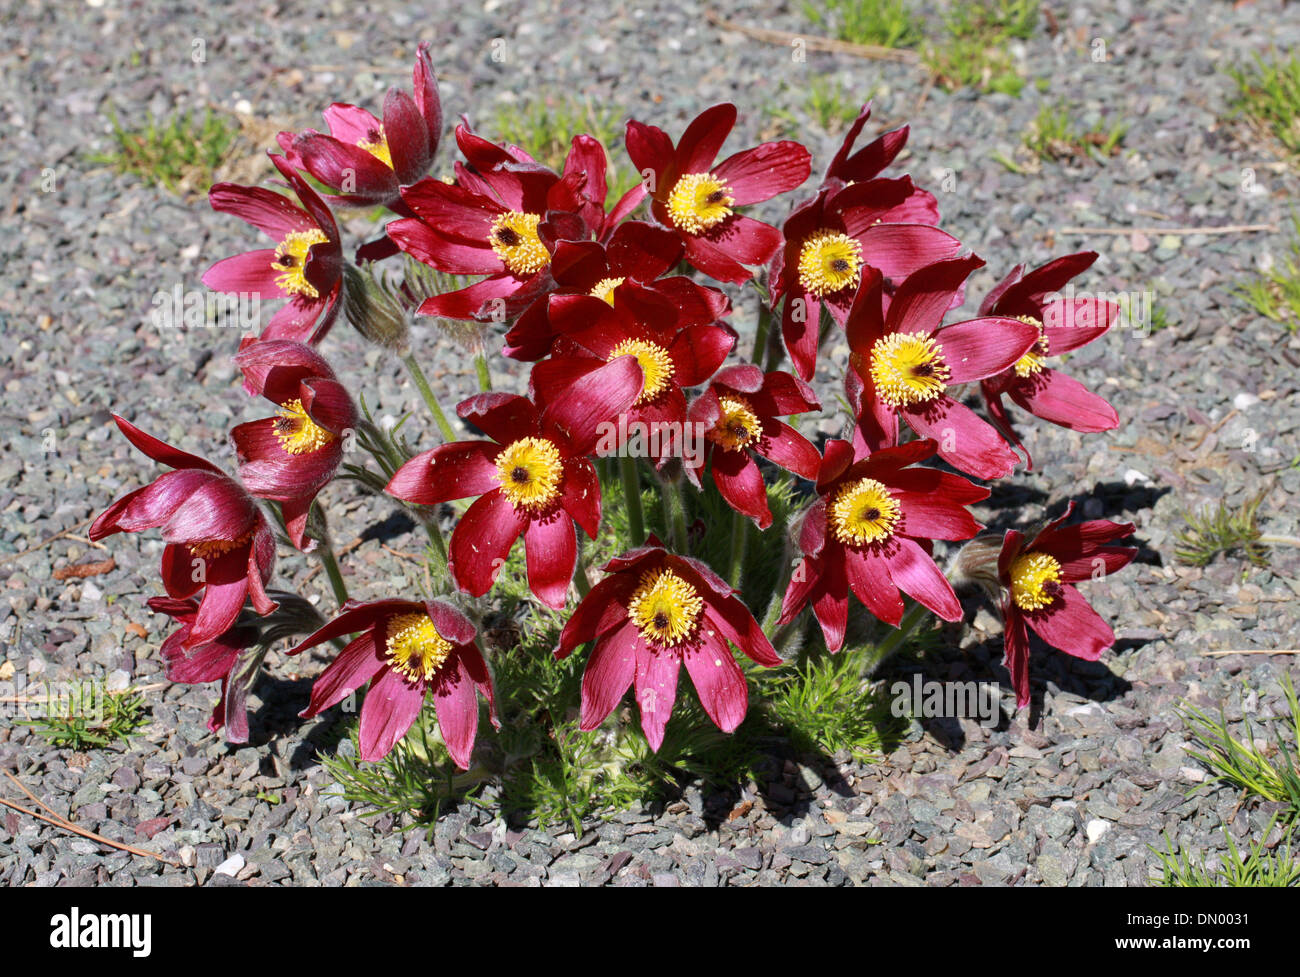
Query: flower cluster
{"type": "Point", "coordinates": [615, 310]}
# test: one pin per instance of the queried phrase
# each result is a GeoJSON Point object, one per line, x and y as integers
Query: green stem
{"type": "Point", "coordinates": [422, 384]}
{"type": "Point", "coordinates": [894, 640]}
{"type": "Point", "coordinates": [675, 515]}
{"type": "Point", "coordinates": [439, 544]}
{"type": "Point", "coordinates": [580, 581]}
{"type": "Point", "coordinates": [332, 571]}
{"type": "Point", "coordinates": [484, 377]}
{"type": "Point", "coordinates": [739, 539]}
{"type": "Point", "coordinates": [760, 336]}
{"type": "Point", "coordinates": [632, 496]}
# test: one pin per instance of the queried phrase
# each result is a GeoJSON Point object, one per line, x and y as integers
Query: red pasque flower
{"type": "Point", "coordinates": [870, 531]}
{"type": "Point", "coordinates": [292, 456]}
{"type": "Point", "coordinates": [406, 648]}
{"type": "Point", "coordinates": [305, 266]}
{"type": "Point", "coordinates": [502, 221]}
{"type": "Point", "coordinates": [654, 612]}
{"type": "Point", "coordinates": [1039, 578]}
{"type": "Point", "coordinates": [218, 660]}
{"type": "Point", "coordinates": [595, 333]}
{"type": "Point", "coordinates": [830, 239]}
{"type": "Point", "coordinates": [739, 414]}
{"type": "Point", "coordinates": [217, 539]}
{"type": "Point", "coordinates": [367, 160]}
{"type": "Point", "coordinates": [533, 479]}
{"type": "Point", "coordinates": [697, 199]}
{"type": "Point", "coordinates": [904, 361]}
{"type": "Point", "coordinates": [633, 259]}
{"type": "Point", "coordinates": [1063, 324]}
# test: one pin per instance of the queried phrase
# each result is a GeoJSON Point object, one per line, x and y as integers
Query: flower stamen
{"type": "Point", "coordinates": [699, 201]}
{"type": "Point", "coordinates": [863, 512]}
{"type": "Point", "coordinates": [1035, 581]}
{"type": "Point", "coordinates": [291, 262]}
{"type": "Point", "coordinates": [376, 144]}
{"type": "Point", "coordinates": [738, 427]}
{"type": "Point", "coordinates": [665, 608]}
{"type": "Point", "coordinates": [604, 288]}
{"type": "Point", "coordinates": [514, 239]}
{"type": "Point", "coordinates": [530, 471]}
{"type": "Point", "coordinates": [908, 368]}
{"type": "Point", "coordinates": [415, 649]}
{"type": "Point", "coordinates": [655, 362]}
{"type": "Point", "coordinates": [1033, 361]}
{"type": "Point", "coordinates": [296, 431]}
{"type": "Point", "coordinates": [829, 261]}
{"type": "Point", "coordinates": [210, 549]}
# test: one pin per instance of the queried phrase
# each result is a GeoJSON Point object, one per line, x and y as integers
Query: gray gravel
{"type": "Point", "coordinates": [1076, 799]}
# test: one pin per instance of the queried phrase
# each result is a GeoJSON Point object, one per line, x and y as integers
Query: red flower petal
{"type": "Point", "coordinates": [915, 573]}
{"type": "Point", "coordinates": [1063, 400]}
{"type": "Point", "coordinates": [758, 174]}
{"type": "Point", "coordinates": [923, 298]}
{"type": "Point", "coordinates": [975, 446]}
{"type": "Point", "coordinates": [581, 495]}
{"type": "Point", "coordinates": [551, 551]}
{"type": "Point", "coordinates": [457, 709]}
{"type": "Point", "coordinates": [719, 682]}
{"type": "Point", "coordinates": [391, 706]}
{"type": "Point", "coordinates": [1070, 624]}
{"type": "Point", "coordinates": [354, 666]}
{"type": "Point", "coordinates": [608, 674]}
{"type": "Point", "coordinates": [870, 579]}
{"type": "Point", "coordinates": [482, 540]}
{"type": "Point", "coordinates": [979, 348]}
{"type": "Point", "coordinates": [656, 691]}
{"type": "Point", "coordinates": [450, 471]}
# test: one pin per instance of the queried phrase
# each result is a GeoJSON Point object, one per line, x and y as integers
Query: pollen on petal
{"type": "Point", "coordinates": [863, 512]}
{"type": "Point", "coordinates": [908, 368]}
{"type": "Point", "coordinates": [699, 201]}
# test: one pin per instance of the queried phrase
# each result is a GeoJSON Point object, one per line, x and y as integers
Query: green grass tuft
{"type": "Point", "coordinates": [182, 152]}
{"type": "Point", "coordinates": [1275, 294]}
{"type": "Point", "coordinates": [85, 715]}
{"type": "Point", "coordinates": [1222, 530]}
{"type": "Point", "coordinates": [1260, 868]}
{"type": "Point", "coordinates": [885, 23]}
{"type": "Point", "coordinates": [1268, 93]}
{"type": "Point", "coordinates": [1054, 136]}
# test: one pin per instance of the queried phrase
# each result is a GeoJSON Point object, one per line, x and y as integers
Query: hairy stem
{"type": "Point", "coordinates": [739, 539]}
{"type": "Point", "coordinates": [632, 496]}
{"type": "Point", "coordinates": [422, 384]}
{"type": "Point", "coordinates": [484, 377]}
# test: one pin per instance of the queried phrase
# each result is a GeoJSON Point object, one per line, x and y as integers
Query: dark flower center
{"type": "Point", "coordinates": [661, 620]}
{"type": "Point", "coordinates": [508, 236]}
{"type": "Point", "coordinates": [519, 474]}
{"type": "Point", "coordinates": [840, 264]}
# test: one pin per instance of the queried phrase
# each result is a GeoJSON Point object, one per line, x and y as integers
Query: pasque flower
{"type": "Point", "coordinates": [1039, 578]}
{"type": "Point", "coordinates": [903, 363]}
{"type": "Point", "coordinates": [655, 612]}
{"type": "Point", "coordinates": [405, 650]}
{"type": "Point", "coordinates": [292, 456]}
{"type": "Point", "coordinates": [217, 539]}
{"type": "Point", "coordinates": [533, 479]}
{"type": "Point", "coordinates": [830, 239]}
{"type": "Point", "coordinates": [1063, 324]}
{"type": "Point", "coordinates": [366, 160]}
{"type": "Point", "coordinates": [501, 220]}
{"type": "Point", "coordinates": [870, 532]}
{"type": "Point", "coordinates": [739, 414]}
{"type": "Point", "coordinates": [671, 359]}
{"type": "Point", "coordinates": [305, 266]}
{"type": "Point", "coordinates": [218, 660]}
{"type": "Point", "coordinates": [698, 199]}
{"type": "Point", "coordinates": [633, 260]}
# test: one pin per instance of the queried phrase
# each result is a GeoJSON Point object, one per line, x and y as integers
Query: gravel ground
{"type": "Point", "coordinates": [1072, 793]}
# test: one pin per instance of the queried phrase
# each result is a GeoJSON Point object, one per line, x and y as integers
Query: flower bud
{"type": "Point", "coordinates": [374, 312]}
{"type": "Point", "coordinates": [976, 564]}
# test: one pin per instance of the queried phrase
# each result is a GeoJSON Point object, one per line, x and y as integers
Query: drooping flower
{"type": "Point", "coordinates": [305, 266]}
{"type": "Point", "coordinates": [870, 532]}
{"type": "Point", "coordinates": [366, 160]}
{"type": "Point", "coordinates": [904, 361]}
{"type": "Point", "coordinates": [502, 221]}
{"type": "Point", "coordinates": [292, 456]}
{"type": "Point", "coordinates": [698, 199]}
{"type": "Point", "coordinates": [1063, 324]}
{"type": "Point", "coordinates": [830, 240]}
{"type": "Point", "coordinates": [218, 660]}
{"type": "Point", "coordinates": [739, 413]}
{"type": "Point", "coordinates": [655, 612]}
{"type": "Point", "coordinates": [405, 650]}
{"type": "Point", "coordinates": [533, 479]}
{"type": "Point", "coordinates": [1039, 578]}
{"type": "Point", "coordinates": [217, 539]}
{"type": "Point", "coordinates": [595, 333]}
{"type": "Point", "coordinates": [634, 258]}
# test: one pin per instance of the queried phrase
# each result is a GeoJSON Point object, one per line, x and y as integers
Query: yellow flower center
{"type": "Point", "coordinates": [376, 144]}
{"type": "Point", "coordinates": [908, 369]}
{"type": "Point", "coordinates": [514, 239]}
{"type": "Point", "coordinates": [828, 262]}
{"type": "Point", "coordinates": [297, 432]}
{"type": "Point", "coordinates": [1032, 362]}
{"type": "Point", "coordinates": [605, 288]}
{"type": "Point", "coordinates": [737, 427]}
{"type": "Point", "coordinates": [210, 549]}
{"type": "Point", "coordinates": [864, 512]}
{"type": "Point", "coordinates": [1035, 580]}
{"type": "Point", "coordinates": [415, 648]}
{"type": "Point", "coordinates": [665, 608]}
{"type": "Point", "coordinates": [655, 362]}
{"type": "Point", "coordinates": [291, 261]}
{"type": "Point", "coordinates": [530, 471]}
{"type": "Point", "coordinates": [698, 202]}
